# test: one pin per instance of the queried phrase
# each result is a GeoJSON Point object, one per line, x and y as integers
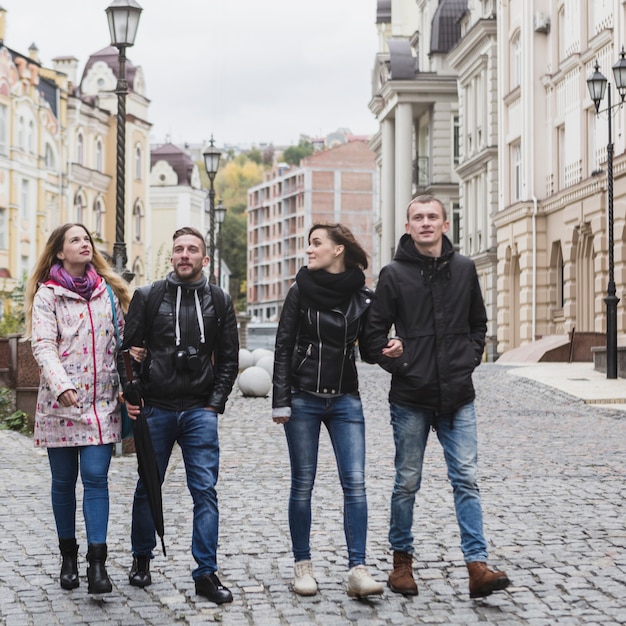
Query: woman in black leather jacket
{"type": "Point", "coordinates": [315, 382]}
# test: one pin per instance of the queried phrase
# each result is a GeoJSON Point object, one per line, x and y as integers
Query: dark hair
{"type": "Point", "coordinates": [190, 230]}
{"type": "Point", "coordinates": [426, 199]}
{"type": "Point", "coordinates": [354, 255]}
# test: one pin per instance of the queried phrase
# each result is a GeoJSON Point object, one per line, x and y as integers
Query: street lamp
{"type": "Point", "coordinates": [211, 163]}
{"type": "Point", "coordinates": [123, 16]}
{"type": "Point", "coordinates": [220, 214]}
{"type": "Point", "coordinates": [597, 85]}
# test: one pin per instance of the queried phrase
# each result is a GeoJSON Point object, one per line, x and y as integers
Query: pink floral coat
{"type": "Point", "coordinates": [75, 345]}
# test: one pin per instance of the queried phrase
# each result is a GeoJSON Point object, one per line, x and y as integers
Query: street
{"type": "Point", "coordinates": [552, 479]}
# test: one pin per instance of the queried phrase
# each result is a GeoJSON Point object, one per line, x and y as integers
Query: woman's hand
{"type": "Point", "coordinates": [280, 420]}
{"type": "Point", "coordinates": [68, 398]}
{"type": "Point", "coordinates": [393, 349]}
{"type": "Point", "coordinates": [137, 353]}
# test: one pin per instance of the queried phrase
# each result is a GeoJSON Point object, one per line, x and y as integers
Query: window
{"type": "Point", "coordinates": [137, 221]}
{"type": "Point", "coordinates": [456, 125]}
{"type": "Point", "coordinates": [3, 229]}
{"type": "Point", "coordinates": [138, 162]}
{"type": "Point", "coordinates": [516, 62]}
{"type": "Point", "coordinates": [80, 204]}
{"type": "Point", "coordinates": [49, 159]}
{"type": "Point", "coordinates": [98, 215]}
{"type": "Point", "coordinates": [516, 172]}
{"type": "Point", "coordinates": [20, 132]}
{"type": "Point", "coordinates": [99, 156]}
{"type": "Point", "coordinates": [456, 223]}
{"type": "Point", "coordinates": [30, 139]}
{"type": "Point", "coordinates": [3, 129]}
{"type": "Point", "coordinates": [25, 199]}
{"type": "Point", "coordinates": [80, 149]}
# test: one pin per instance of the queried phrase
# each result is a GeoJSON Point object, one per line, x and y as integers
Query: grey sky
{"type": "Point", "coordinates": [248, 71]}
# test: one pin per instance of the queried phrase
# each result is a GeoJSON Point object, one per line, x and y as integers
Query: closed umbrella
{"type": "Point", "coordinates": [146, 459]}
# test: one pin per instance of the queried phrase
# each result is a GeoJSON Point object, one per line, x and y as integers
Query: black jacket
{"type": "Point", "coordinates": [164, 385]}
{"type": "Point", "coordinates": [315, 349]}
{"type": "Point", "coordinates": [438, 311]}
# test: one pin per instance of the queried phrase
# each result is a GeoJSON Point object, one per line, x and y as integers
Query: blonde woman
{"type": "Point", "coordinates": [69, 318]}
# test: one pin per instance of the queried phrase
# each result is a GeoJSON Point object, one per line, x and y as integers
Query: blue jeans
{"type": "Point", "coordinates": [411, 426]}
{"type": "Point", "coordinates": [196, 433]}
{"type": "Point", "coordinates": [94, 464]}
{"type": "Point", "coordinates": [343, 418]}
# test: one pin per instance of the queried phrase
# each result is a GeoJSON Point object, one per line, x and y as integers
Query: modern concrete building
{"type": "Point", "coordinates": [335, 185]}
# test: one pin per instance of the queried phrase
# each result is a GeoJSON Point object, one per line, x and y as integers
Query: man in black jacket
{"type": "Point", "coordinates": [431, 294]}
{"type": "Point", "coordinates": [191, 365]}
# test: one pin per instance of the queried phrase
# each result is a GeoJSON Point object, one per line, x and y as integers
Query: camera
{"type": "Point", "coordinates": [188, 359]}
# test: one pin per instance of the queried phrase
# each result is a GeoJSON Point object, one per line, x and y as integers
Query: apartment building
{"type": "Point", "coordinates": [334, 185]}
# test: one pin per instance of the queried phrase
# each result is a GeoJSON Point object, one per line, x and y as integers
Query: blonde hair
{"type": "Point", "coordinates": [48, 258]}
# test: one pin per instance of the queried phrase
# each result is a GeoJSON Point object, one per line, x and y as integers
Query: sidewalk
{"type": "Point", "coordinates": [576, 379]}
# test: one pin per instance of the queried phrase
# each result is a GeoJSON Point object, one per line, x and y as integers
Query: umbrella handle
{"type": "Point", "coordinates": [128, 365]}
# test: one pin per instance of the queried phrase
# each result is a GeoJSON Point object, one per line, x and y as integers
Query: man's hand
{"type": "Point", "coordinates": [393, 349]}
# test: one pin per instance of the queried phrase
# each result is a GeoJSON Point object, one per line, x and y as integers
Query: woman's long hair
{"type": "Point", "coordinates": [340, 235]}
{"type": "Point", "coordinates": [48, 258]}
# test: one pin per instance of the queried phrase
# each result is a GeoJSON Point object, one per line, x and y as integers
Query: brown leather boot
{"type": "Point", "coordinates": [483, 581]}
{"type": "Point", "coordinates": [401, 578]}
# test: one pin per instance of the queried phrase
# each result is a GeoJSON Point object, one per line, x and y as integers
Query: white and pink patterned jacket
{"type": "Point", "coordinates": [75, 345]}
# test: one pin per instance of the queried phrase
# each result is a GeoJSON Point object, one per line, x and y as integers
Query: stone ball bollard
{"type": "Point", "coordinates": [245, 359]}
{"type": "Point", "coordinates": [259, 353]}
{"type": "Point", "coordinates": [255, 382]}
{"type": "Point", "coordinates": [267, 363]}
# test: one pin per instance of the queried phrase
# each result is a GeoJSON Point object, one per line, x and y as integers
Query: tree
{"type": "Point", "coordinates": [294, 154]}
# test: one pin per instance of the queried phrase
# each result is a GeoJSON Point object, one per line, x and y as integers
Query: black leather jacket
{"type": "Point", "coordinates": [437, 308]}
{"type": "Point", "coordinates": [315, 349]}
{"type": "Point", "coordinates": [166, 386]}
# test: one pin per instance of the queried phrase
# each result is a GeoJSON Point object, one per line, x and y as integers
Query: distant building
{"type": "Point", "coordinates": [335, 185]}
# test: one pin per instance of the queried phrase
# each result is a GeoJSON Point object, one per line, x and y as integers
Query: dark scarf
{"type": "Point", "coordinates": [82, 285]}
{"type": "Point", "coordinates": [324, 291]}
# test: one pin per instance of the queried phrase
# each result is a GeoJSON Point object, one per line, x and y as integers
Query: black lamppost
{"type": "Point", "coordinates": [220, 214]}
{"type": "Point", "coordinates": [597, 85]}
{"type": "Point", "coordinates": [123, 16]}
{"type": "Point", "coordinates": [211, 163]}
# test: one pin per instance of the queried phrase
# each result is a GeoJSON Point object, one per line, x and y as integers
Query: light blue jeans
{"type": "Point", "coordinates": [196, 433]}
{"type": "Point", "coordinates": [343, 417]}
{"type": "Point", "coordinates": [94, 464]}
{"type": "Point", "coordinates": [457, 435]}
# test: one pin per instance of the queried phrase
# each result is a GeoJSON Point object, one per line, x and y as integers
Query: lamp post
{"type": "Point", "coordinates": [597, 85]}
{"type": "Point", "coordinates": [211, 163]}
{"type": "Point", "coordinates": [220, 214]}
{"type": "Point", "coordinates": [123, 16]}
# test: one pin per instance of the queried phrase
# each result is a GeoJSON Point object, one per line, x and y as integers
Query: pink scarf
{"type": "Point", "coordinates": [82, 285]}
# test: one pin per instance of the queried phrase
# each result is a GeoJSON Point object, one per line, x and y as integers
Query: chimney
{"type": "Point", "coordinates": [33, 52]}
{"type": "Point", "coordinates": [67, 66]}
{"type": "Point", "coordinates": [3, 24]}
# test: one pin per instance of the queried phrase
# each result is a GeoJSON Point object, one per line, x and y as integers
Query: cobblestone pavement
{"type": "Point", "coordinates": [551, 475]}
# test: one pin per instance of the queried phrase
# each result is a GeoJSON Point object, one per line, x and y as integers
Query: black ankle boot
{"type": "Point", "coordinates": [139, 575]}
{"type": "Point", "coordinates": [97, 578]}
{"type": "Point", "coordinates": [69, 567]}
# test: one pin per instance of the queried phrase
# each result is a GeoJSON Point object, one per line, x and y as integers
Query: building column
{"type": "Point", "coordinates": [387, 183]}
{"type": "Point", "coordinates": [403, 165]}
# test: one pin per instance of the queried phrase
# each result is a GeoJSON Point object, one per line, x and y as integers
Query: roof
{"type": "Point", "coordinates": [177, 158]}
{"type": "Point", "coordinates": [110, 55]}
{"type": "Point", "coordinates": [446, 29]}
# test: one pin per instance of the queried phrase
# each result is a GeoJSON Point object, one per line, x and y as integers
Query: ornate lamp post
{"type": "Point", "coordinates": [123, 16]}
{"type": "Point", "coordinates": [220, 214]}
{"type": "Point", "coordinates": [211, 163]}
{"type": "Point", "coordinates": [597, 85]}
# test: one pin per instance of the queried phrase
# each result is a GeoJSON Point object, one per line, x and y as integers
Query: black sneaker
{"type": "Point", "coordinates": [139, 575]}
{"type": "Point", "coordinates": [210, 587]}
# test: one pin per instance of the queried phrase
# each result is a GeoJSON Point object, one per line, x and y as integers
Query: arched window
{"type": "Point", "coordinates": [138, 162]}
{"type": "Point", "coordinates": [99, 156]}
{"type": "Point", "coordinates": [20, 132]}
{"type": "Point", "coordinates": [80, 149]}
{"type": "Point", "coordinates": [50, 160]}
{"type": "Point", "coordinates": [516, 62]}
{"type": "Point", "coordinates": [98, 218]}
{"type": "Point", "coordinates": [80, 205]}
{"type": "Point", "coordinates": [30, 137]}
{"type": "Point", "coordinates": [137, 221]}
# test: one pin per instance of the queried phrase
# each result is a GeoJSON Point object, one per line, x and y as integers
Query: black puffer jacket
{"type": "Point", "coordinates": [164, 385]}
{"type": "Point", "coordinates": [315, 349]}
{"type": "Point", "coordinates": [438, 311]}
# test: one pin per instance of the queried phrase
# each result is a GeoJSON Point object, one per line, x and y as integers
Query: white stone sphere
{"type": "Point", "coordinates": [267, 363]}
{"type": "Point", "coordinates": [245, 359]}
{"type": "Point", "coordinates": [255, 381]}
{"type": "Point", "coordinates": [259, 353]}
